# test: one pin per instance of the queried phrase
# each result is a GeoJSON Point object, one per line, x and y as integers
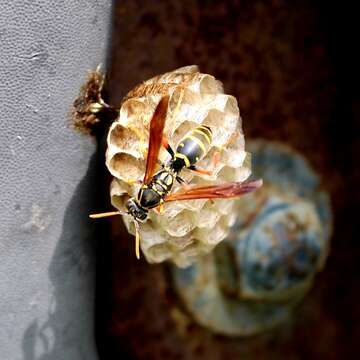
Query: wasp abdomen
{"type": "Point", "coordinates": [194, 145]}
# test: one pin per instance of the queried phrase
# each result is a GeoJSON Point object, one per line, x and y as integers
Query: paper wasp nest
{"type": "Point", "coordinates": [185, 229]}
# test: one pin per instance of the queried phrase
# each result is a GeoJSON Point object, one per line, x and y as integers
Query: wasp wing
{"type": "Point", "coordinates": [157, 125]}
{"type": "Point", "coordinates": [218, 191]}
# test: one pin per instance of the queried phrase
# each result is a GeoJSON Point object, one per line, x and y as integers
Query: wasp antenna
{"type": "Point", "coordinates": [137, 239]}
{"type": "Point", "coordinates": [101, 215]}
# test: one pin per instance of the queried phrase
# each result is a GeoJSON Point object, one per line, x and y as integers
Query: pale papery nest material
{"type": "Point", "coordinates": [185, 229]}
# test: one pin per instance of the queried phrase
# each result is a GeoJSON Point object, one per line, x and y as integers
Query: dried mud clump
{"type": "Point", "coordinates": [89, 113]}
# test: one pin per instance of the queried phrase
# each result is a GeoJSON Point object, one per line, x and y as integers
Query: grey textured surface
{"type": "Point", "coordinates": [46, 178]}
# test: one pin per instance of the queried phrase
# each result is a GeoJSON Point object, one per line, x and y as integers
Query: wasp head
{"type": "Point", "coordinates": [135, 210]}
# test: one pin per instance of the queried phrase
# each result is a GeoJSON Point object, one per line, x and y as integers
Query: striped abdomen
{"type": "Point", "coordinates": [194, 145]}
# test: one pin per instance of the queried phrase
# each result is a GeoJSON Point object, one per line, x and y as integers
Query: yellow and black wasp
{"type": "Point", "coordinates": [156, 186]}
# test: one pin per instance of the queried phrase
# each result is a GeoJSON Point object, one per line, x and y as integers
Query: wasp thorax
{"type": "Point", "coordinates": [149, 198]}
{"type": "Point", "coordinates": [135, 210]}
{"type": "Point", "coordinates": [201, 121]}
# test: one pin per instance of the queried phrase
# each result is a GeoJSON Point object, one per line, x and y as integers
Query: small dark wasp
{"type": "Point", "coordinates": [156, 187]}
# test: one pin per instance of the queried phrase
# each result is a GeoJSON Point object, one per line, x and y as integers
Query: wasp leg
{"type": "Point", "coordinates": [134, 181]}
{"type": "Point", "coordinates": [167, 146]}
{"type": "Point", "coordinates": [159, 209]}
{"type": "Point", "coordinates": [199, 170]}
{"type": "Point", "coordinates": [214, 161]}
{"type": "Point", "coordinates": [181, 181]}
{"type": "Point", "coordinates": [186, 186]}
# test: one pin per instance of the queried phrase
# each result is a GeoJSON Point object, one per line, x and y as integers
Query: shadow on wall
{"type": "Point", "coordinates": [68, 333]}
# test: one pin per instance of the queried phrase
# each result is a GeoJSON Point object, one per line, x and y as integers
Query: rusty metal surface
{"type": "Point", "coordinates": [283, 61]}
{"type": "Point", "coordinates": [254, 279]}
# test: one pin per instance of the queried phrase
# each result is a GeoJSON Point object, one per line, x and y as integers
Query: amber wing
{"type": "Point", "coordinates": [218, 191]}
{"type": "Point", "coordinates": [157, 124]}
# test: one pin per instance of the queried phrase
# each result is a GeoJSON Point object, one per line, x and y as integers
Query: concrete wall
{"type": "Point", "coordinates": [47, 175]}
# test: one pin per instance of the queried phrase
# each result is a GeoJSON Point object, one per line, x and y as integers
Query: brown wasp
{"type": "Point", "coordinates": [156, 186]}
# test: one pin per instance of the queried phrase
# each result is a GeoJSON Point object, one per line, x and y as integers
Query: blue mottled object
{"type": "Point", "coordinates": [279, 242]}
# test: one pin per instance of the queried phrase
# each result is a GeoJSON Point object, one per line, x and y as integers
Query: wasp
{"type": "Point", "coordinates": [156, 186]}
